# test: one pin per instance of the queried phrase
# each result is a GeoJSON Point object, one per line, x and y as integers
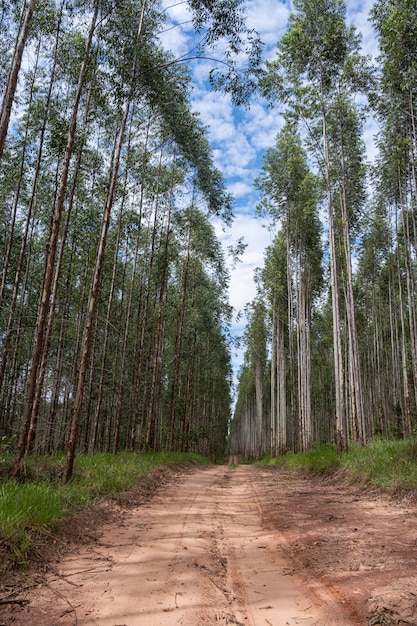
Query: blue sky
{"type": "Point", "coordinates": [239, 137]}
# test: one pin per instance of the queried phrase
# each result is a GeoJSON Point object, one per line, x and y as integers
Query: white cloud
{"type": "Point", "coordinates": [240, 189]}
{"type": "Point", "coordinates": [179, 12]}
{"type": "Point", "coordinates": [268, 19]}
{"type": "Point", "coordinates": [358, 13]}
{"type": "Point", "coordinates": [173, 40]}
{"type": "Point", "coordinates": [176, 34]}
{"type": "Point", "coordinates": [242, 288]}
{"type": "Point", "coordinates": [239, 137]}
{"type": "Point", "coordinates": [213, 107]}
{"type": "Point", "coordinates": [262, 125]}
{"type": "Point", "coordinates": [257, 237]}
{"type": "Point", "coordinates": [237, 154]}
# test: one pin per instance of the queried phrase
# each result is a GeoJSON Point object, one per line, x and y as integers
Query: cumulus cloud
{"type": "Point", "coordinates": [262, 125]}
{"type": "Point", "coordinates": [240, 189]}
{"type": "Point", "coordinates": [269, 20]}
{"type": "Point", "coordinates": [177, 32]}
{"type": "Point", "coordinates": [239, 137]}
{"type": "Point", "coordinates": [256, 236]}
{"type": "Point", "coordinates": [358, 14]}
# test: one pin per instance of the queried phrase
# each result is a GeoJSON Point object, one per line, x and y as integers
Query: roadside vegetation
{"type": "Point", "coordinates": [40, 499]}
{"type": "Point", "coordinates": [388, 466]}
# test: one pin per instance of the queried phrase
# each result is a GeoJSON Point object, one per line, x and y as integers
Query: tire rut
{"type": "Point", "coordinates": [197, 554]}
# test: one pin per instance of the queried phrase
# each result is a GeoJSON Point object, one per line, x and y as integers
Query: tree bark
{"type": "Point", "coordinates": [50, 258]}
{"type": "Point", "coordinates": [11, 86]}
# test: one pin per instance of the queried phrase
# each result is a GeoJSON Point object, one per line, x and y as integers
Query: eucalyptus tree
{"type": "Point", "coordinates": [202, 401]}
{"type": "Point", "coordinates": [28, 140]}
{"type": "Point", "coordinates": [95, 283]}
{"type": "Point", "coordinates": [207, 372]}
{"type": "Point", "coordinates": [251, 423]}
{"type": "Point", "coordinates": [290, 196]}
{"type": "Point", "coordinates": [8, 34]}
{"type": "Point", "coordinates": [99, 88]}
{"type": "Point", "coordinates": [378, 312]}
{"type": "Point", "coordinates": [317, 71]}
{"type": "Point", "coordinates": [16, 62]}
{"type": "Point", "coordinates": [202, 282]}
{"type": "Point", "coordinates": [145, 64]}
{"type": "Point", "coordinates": [396, 109]}
{"type": "Point", "coordinates": [275, 284]}
{"type": "Point", "coordinates": [30, 121]}
{"type": "Point", "coordinates": [44, 306]}
{"type": "Point", "coordinates": [161, 248]}
{"type": "Point", "coordinates": [243, 424]}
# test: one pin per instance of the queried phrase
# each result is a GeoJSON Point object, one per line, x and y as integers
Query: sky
{"type": "Point", "coordinates": [240, 136]}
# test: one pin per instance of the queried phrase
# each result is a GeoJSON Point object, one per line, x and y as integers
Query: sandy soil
{"type": "Point", "coordinates": [237, 545]}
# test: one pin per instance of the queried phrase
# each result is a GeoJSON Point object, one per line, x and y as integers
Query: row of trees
{"type": "Point", "coordinates": [113, 313]}
{"type": "Point", "coordinates": [331, 340]}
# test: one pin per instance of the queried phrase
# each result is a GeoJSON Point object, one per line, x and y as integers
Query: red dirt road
{"type": "Point", "coordinates": [240, 545]}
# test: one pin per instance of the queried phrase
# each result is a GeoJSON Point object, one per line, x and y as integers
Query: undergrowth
{"type": "Point", "coordinates": [320, 461]}
{"type": "Point", "coordinates": [388, 466]}
{"type": "Point", "coordinates": [41, 499]}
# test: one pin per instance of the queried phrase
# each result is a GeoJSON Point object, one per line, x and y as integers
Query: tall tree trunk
{"type": "Point", "coordinates": [158, 352]}
{"type": "Point", "coordinates": [50, 257]}
{"type": "Point", "coordinates": [6, 107]}
{"type": "Point", "coordinates": [341, 421]}
{"type": "Point", "coordinates": [95, 285]}
{"type": "Point", "coordinates": [29, 216]}
{"type": "Point", "coordinates": [176, 378]}
{"type": "Point", "coordinates": [54, 293]}
{"type": "Point", "coordinates": [282, 443]}
{"type": "Point", "coordinates": [91, 308]}
{"type": "Point", "coordinates": [6, 258]}
{"type": "Point", "coordinates": [356, 398]}
{"type": "Point", "coordinates": [274, 412]}
{"type": "Point", "coordinates": [259, 404]}
{"type": "Point", "coordinates": [293, 400]}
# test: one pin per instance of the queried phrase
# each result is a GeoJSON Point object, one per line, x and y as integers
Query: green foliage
{"type": "Point", "coordinates": [224, 20]}
{"type": "Point", "coordinates": [321, 461]}
{"type": "Point", "coordinates": [388, 466]}
{"type": "Point", "coordinates": [24, 508]}
{"type": "Point", "coordinates": [7, 445]}
{"type": "Point", "coordinates": [167, 92]}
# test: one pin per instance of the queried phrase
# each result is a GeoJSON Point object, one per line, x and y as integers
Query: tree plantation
{"type": "Point", "coordinates": [331, 342]}
{"type": "Point", "coordinates": [115, 323]}
{"type": "Point", "coordinates": [114, 312]}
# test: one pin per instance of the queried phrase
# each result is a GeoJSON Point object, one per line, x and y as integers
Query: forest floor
{"type": "Point", "coordinates": [226, 545]}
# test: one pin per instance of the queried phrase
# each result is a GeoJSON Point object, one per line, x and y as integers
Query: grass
{"type": "Point", "coordinates": [388, 466]}
{"type": "Point", "coordinates": [42, 499]}
{"type": "Point", "coordinates": [320, 461]}
{"type": "Point", "coordinates": [24, 508]}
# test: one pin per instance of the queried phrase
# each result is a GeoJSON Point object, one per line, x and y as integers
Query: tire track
{"type": "Point", "coordinates": [197, 554]}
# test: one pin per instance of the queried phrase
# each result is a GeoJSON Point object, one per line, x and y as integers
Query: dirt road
{"type": "Point", "coordinates": [240, 545]}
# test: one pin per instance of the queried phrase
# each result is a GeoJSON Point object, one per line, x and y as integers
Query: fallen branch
{"type": "Point", "coordinates": [53, 569]}
{"type": "Point", "coordinates": [72, 608]}
{"type": "Point", "coordinates": [13, 601]}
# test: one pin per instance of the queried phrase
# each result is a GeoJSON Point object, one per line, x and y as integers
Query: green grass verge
{"type": "Point", "coordinates": [42, 499]}
{"type": "Point", "coordinates": [388, 466]}
{"type": "Point", "coordinates": [322, 460]}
